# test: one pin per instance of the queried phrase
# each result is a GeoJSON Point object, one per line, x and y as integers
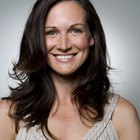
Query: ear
{"type": "Point", "coordinates": [91, 41]}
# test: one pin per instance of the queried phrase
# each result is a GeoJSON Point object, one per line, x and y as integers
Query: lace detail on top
{"type": "Point", "coordinates": [103, 130]}
{"type": "Point", "coordinates": [34, 133]}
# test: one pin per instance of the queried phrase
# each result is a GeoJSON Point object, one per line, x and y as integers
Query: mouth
{"type": "Point", "coordinates": [64, 57]}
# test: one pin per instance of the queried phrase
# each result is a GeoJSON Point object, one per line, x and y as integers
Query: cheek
{"type": "Point", "coordinates": [50, 43]}
{"type": "Point", "coordinates": [81, 43]}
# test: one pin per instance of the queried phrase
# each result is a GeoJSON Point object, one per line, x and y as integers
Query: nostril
{"type": "Point", "coordinates": [64, 46]}
{"type": "Point", "coordinates": [64, 43]}
{"type": "Point", "coordinates": [64, 49]}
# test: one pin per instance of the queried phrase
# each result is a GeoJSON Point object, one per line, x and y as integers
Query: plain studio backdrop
{"type": "Point", "coordinates": [120, 20]}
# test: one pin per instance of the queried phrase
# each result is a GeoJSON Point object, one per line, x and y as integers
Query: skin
{"type": "Point", "coordinates": [7, 127]}
{"type": "Point", "coordinates": [67, 36]}
{"type": "Point", "coordinates": [126, 120]}
{"type": "Point", "coordinates": [64, 120]}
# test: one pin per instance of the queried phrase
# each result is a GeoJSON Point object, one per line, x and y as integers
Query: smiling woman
{"type": "Point", "coordinates": [63, 90]}
{"type": "Point", "coordinates": [67, 38]}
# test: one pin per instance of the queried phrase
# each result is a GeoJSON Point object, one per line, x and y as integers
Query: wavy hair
{"type": "Point", "coordinates": [35, 93]}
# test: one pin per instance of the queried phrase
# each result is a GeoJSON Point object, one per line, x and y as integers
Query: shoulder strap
{"type": "Point", "coordinates": [99, 127]}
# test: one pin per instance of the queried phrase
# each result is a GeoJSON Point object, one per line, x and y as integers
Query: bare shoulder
{"type": "Point", "coordinates": [7, 127]}
{"type": "Point", "coordinates": [126, 120]}
{"type": "Point", "coordinates": [4, 106]}
{"type": "Point", "coordinates": [126, 109]}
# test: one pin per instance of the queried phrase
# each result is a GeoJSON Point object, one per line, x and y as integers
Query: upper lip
{"type": "Point", "coordinates": [64, 54]}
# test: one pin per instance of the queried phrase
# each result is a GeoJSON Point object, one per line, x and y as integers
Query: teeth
{"type": "Point", "coordinates": [64, 57]}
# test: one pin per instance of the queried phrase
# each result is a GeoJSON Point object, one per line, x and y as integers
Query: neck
{"type": "Point", "coordinates": [64, 86]}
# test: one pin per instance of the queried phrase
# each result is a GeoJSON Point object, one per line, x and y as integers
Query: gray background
{"type": "Point", "coordinates": [120, 20]}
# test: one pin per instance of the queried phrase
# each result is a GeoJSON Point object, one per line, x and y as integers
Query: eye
{"type": "Point", "coordinates": [76, 31]}
{"type": "Point", "coordinates": [51, 33]}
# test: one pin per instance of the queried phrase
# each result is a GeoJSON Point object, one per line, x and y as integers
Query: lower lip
{"type": "Point", "coordinates": [66, 60]}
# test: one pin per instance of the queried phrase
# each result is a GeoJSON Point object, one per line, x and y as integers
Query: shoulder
{"type": "Point", "coordinates": [4, 106]}
{"type": "Point", "coordinates": [126, 120]}
{"type": "Point", "coordinates": [7, 127]}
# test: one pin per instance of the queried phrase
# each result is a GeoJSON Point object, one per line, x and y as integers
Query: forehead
{"type": "Point", "coordinates": [66, 11]}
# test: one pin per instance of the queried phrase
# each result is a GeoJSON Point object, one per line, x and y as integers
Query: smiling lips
{"type": "Point", "coordinates": [64, 57]}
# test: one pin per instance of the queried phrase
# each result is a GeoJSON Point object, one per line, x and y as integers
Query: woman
{"type": "Point", "coordinates": [63, 91]}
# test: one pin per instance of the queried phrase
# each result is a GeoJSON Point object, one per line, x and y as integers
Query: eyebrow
{"type": "Point", "coordinates": [70, 25]}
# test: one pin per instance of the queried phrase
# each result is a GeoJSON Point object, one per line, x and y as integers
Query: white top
{"type": "Point", "coordinates": [103, 130]}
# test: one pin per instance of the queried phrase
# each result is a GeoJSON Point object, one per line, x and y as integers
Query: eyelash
{"type": "Point", "coordinates": [75, 30]}
{"type": "Point", "coordinates": [50, 33]}
{"type": "Point", "coordinates": [72, 31]}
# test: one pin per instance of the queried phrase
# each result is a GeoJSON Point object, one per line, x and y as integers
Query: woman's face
{"type": "Point", "coordinates": [67, 37]}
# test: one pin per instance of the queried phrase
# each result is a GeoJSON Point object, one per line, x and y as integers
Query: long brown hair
{"type": "Point", "coordinates": [35, 93]}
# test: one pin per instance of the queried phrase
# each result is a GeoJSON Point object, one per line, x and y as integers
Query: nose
{"type": "Point", "coordinates": [64, 44]}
